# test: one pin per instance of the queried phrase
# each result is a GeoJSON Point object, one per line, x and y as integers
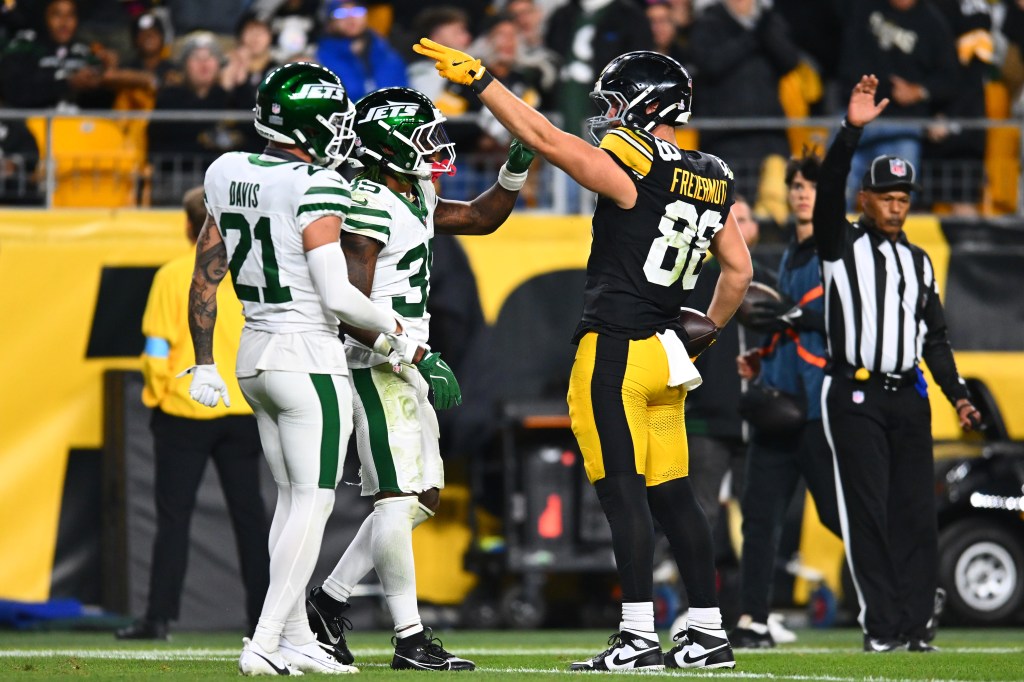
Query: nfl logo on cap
{"type": "Point", "coordinates": [275, 108]}
{"type": "Point", "coordinates": [898, 167]}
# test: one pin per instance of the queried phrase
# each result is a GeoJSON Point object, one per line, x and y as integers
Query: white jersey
{"type": "Point", "coordinates": [401, 280]}
{"type": "Point", "coordinates": [261, 205]}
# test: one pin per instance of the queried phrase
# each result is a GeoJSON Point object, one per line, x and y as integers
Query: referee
{"type": "Point", "coordinates": [883, 316]}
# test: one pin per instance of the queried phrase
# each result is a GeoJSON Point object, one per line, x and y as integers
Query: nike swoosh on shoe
{"type": "Point", "coordinates": [707, 652]}
{"type": "Point", "coordinates": [615, 660]}
{"type": "Point", "coordinates": [279, 670]}
{"type": "Point", "coordinates": [333, 639]}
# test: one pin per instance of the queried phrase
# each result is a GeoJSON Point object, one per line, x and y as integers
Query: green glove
{"type": "Point", "coordinates": [441, 379]}
{"type": "Point", "coordinates": [519, 157]}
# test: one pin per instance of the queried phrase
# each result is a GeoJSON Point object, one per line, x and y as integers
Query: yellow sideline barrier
{"type": "Point", "coordinates": [50, 265]}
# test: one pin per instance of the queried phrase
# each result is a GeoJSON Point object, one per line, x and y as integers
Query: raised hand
{"type": "Point", "coordinates": [456, 66]}
{"type": "Point", "coordinates": [862, 108]}
{"type": "Point", "coordinates": [519, 157]}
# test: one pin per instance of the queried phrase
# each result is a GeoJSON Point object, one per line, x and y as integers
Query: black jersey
{"type": "Point", "coordinates": [644, 261]}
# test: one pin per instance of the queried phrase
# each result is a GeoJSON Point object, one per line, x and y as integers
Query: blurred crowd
{"type": "Point", "coordinates": [935, 59]}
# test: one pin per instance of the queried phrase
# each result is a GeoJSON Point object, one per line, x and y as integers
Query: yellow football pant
{"type": "Point", "coordinates": [625, 416]}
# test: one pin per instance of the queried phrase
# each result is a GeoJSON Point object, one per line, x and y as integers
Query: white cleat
{"type": "Point", "coordinates": [256, 661]}
{"type": "Point", "coordinates": [778, 630]}
{"type": "Point", "coordinates": [314, 657]}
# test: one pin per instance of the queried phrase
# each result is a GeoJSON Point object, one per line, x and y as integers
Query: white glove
{"type": "Point", "coordinates": [403, 347]}
{"type": "Point", "coordinates": [207, 387]}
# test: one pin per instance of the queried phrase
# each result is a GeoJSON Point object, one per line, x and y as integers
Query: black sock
{"type": "Point", "coordinates": [412, 641]}
{"type": "Point", "coordinates": [622, 498]}
{"type": "Point", "coordinates": [675, 507]}
{"type": "Point", "coordinates": [327, 603]}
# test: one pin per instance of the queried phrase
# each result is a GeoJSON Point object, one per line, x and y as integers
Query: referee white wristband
{"type": "Point", "coordinates": [513, 182]}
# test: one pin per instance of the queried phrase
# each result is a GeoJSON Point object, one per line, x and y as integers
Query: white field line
{"type": "Point", "coordinates": [189, 654]}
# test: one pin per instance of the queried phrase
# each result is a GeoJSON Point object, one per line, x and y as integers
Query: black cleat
{"type": "Point", "coordinates": [921, 645]}
{"type": "Point", "coordinates": [746, 638]}
{"type": "Point", "coordinates": [144, 628]}
{"type": "Point", "coordinates": [626, 651]}
{"type": "Point", "coordinates": [423, 651]}
{"type": "Point", "coordinates": [700, 648]}
{"type": "Point", "coordinates": [883, 645]}
{"type": "Point", "coordinates": [328, 624]}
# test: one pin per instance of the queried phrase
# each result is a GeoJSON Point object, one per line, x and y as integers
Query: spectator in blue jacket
{"type": "Point", "coordinates": [792, 360]}
{"type": "Point", "coordinates": [362, 59]}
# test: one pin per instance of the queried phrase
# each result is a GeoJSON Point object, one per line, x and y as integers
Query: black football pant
{"type": "Point", "coordinates": [183, 447]}
{"type": "Point", "coordinates": [775, 463]}
{"type": "Point", "coordinates": [882, 443]}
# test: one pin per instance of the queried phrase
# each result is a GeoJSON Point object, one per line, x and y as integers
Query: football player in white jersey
{"type": "Point", "coordinates": [387, 242]}
{"type": "Point", "coordinates": [274, 223]}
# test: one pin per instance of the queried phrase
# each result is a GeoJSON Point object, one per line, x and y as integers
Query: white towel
{"type": "Point", "coordinates": [680, 367]}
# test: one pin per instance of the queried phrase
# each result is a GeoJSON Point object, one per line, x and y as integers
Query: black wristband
{"type": "Point", "coordinates": [482, 82]}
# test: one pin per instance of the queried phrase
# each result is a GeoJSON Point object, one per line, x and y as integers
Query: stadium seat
{"type": "Point", "coordinates": [99, 162]}
{"type": "Point", "coordinates": [1002, 154]}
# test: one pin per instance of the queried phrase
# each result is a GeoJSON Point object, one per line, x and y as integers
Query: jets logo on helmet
{"type": "Point", "coordinates": [321, 90]}
{"type": "Point", "coordinates": [401, 131]}
{"type": "Point", "coordinates": [641, 90]}
{"type": "Point", "coordinates": [306, 105]}
{"type": "Point", "coordinates": [390, 110]}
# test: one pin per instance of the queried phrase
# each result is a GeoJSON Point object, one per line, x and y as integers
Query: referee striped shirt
{"type": "Point", "coordinates": [882, 306]}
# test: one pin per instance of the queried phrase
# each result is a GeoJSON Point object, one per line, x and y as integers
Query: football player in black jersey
{"type": "Point", "coordinates": [660, 209]}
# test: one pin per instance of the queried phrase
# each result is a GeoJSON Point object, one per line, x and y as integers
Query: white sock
{"type": "Point", "coordinates": [638, 617]}
{"type": "Point", "coordinates": [392, 557]}
{"type": "Point", "coordinates": [708, 618]}
{"type": "Point", "coordinates": [354, 564]}
{"type": "Point", "coordinates": [296, 628]}
{"type": "Point", "coordinates": [357, 560]}
{"type": "Point", "coordinates": [293, 556]}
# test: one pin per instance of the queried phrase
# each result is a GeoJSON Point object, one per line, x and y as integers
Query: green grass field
{"type": "Point", "coordinates": [832, 655]}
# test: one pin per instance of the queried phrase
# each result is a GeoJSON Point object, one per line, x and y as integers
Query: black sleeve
{"type": "Point", "coordinates": [773, 33]}
{"type": "Point", "coordinates": [716, 51]}
{"type": "Point", "coordinates": [937, 352]}
{"type": "Point", "coordinates": [830, 224]}
{"type": "Point", "coordinates": [943, 76]}
{"type": "Point", "coordinates": [26, 85]}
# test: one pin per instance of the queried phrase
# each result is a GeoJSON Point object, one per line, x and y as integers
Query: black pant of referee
{"type": "Point", "coordinates": [183, 449]}
{"type": "Point", "coordinates": [880, 433]}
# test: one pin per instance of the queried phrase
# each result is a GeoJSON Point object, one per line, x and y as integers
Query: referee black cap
{"type": "Point", "coordinates": [889, 173]}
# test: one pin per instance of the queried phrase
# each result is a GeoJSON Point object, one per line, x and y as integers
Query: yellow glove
{"type": "Point", "coordinates": [456, 66]}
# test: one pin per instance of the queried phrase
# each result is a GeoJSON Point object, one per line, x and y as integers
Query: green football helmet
{"type": "Point", "coordinates": [306, 104]}
{"type": "Point", "coordinates": [401, 130]}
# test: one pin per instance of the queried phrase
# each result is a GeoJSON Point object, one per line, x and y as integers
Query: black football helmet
{"type": "Point", "coordinates": [633, 81]}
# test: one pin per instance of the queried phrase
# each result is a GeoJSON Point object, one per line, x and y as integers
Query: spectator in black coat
{"type": "Point", "coordinates": [588, 34]}
{"type": "Point", "coordinates": [52, 67]}
{"type": "Point", "coordinates": [958, 154]}
{"type": "Point", "coordinates": [741, 49]}
{"type": "Point", "coordinates": [908, 45]}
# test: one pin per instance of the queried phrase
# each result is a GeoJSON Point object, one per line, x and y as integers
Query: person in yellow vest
{"type": "Point", "coordinates": [186, 435]}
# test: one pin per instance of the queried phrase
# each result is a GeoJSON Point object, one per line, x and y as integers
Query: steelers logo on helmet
{"type": "Point", "coordinates": [634, 81]}
{"type": "Point", "coordinates": [402, 131]}
{"type": "Point", "coordinates": [306, 105]}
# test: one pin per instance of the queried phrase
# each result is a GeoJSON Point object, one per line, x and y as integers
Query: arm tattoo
{"type": "Point", "coordinates": [210, 269]}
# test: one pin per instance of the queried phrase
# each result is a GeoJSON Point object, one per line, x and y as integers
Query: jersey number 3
{"type": "Point", "coordinates": [273, 292]}
{"type": "Point", "coordinates": [679, 251]}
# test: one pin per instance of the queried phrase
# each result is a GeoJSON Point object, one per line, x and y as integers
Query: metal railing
{"type": "Point", "coordinates": [152, 172]}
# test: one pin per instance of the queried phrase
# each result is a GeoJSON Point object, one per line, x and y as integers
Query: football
{"type": "Point", "coordinates": [757, 293]}
{"type": "Point", "coordinates": [701, 332]}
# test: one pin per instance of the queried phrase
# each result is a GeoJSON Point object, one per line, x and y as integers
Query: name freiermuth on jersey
{"type": "Point", "coordinates": [645, 260]}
